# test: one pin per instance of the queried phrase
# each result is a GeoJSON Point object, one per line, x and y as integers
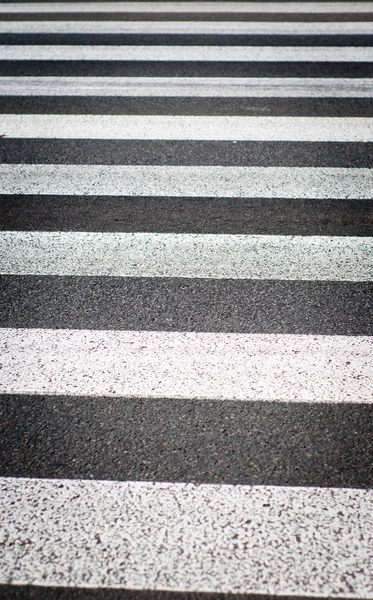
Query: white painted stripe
{"type": "Point", "coordinates": [190, 53]}
{"type": "Point", "coordinates": [202, 87]}
{"type": "Point", "coordinates": [187, 365]}
{"type": "Point", "coordinates": [179, 536]}
{"type": "Point", "coordinates": [190, 27]}
{"type": "Point", "coordinates": [150, 127]}
{"type": "Point", "coordinates": [185, 7]}
{"type": "Point", "coordinates": [218, 182]}
{"type": "Point", "coordinates": [187, 255]}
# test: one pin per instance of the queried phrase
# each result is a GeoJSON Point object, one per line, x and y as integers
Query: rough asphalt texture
{"type": "Point", "coordinates": [257, 443]}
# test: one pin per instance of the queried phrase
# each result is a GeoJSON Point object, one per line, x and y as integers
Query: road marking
{"type": "Point", "coordinates": [178, 536]}
{"type": "Point", "coordinates": [187, 365]}
{"type": "Point", "coordinates": [190, 53]}
{"type": "Point", "coordinates": [210, 256]}
{"type": "Point", "coordinates": [150, 127]}
{"type": "Point", "coordinates": [261, 540]}
{"type": "Point", "coordinates": [187, 7]}
{"type": "Point", "coordinates": [202, 87]}
{"type": "Point", "coordinates": [217, 182]}
{"type": "Point", "coordinates": [189, 27]}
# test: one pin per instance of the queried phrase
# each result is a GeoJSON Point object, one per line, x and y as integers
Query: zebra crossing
{"type": "Point", "coordinates": [186, 260]}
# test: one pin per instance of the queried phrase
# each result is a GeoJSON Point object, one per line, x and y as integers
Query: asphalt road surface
{"type": "Point", "coordinates": [186, 315]}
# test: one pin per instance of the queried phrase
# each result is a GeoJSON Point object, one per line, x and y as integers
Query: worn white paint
{"type": "Point", "coordinates": [223, 256]}
{"type": "Point", "coordinates": [190, 53]}
{"type": "Point", "coordinates": [155, 127]}
{"type": "Point", "coordinates": [202, 87]}
{"type": "Point", "coordinates": [216, 366]}
{"type": "Point", "coordinates": [191, 27]}
{"type": "Point", "coordinates": [185, 7]}
{"type": "Point", "coordinates": [177, 536]}
{"type": "Point", "coordinates": [218, 182]}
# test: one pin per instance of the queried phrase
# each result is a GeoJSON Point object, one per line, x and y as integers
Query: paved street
{"type": "Point", "coordinates": [186, 315]}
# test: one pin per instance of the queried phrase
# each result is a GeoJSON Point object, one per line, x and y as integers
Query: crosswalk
{"type": "Point", "coordinates": [186, 260]}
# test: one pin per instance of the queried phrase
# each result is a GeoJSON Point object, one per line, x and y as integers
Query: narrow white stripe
{"type": "Point", "coordinates": [190, 53]}
{"type": "Point", "coordinates": [142, 364]}
{"type": "Point", "coordinates": [178, 536]}
{"type": "Point", "coordinates": [219, 182]}
{"type": "Point", "coordinates": [149, 127]}
{"type": "Point", "coordinates": [203, 87]}
{"type": "Point", "coordinates": [190, 27]}
{"type": "Point", "coordinates": [185, 7]}
{"type": "Point", "coordinates": [187, 255]}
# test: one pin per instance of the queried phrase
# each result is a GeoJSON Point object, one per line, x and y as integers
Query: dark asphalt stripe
{"type": "Point", "coordinates": [304, 107]}
{"type": "Point", "coordinates": [206, 305]}
{"type": "Point", "coordinates": [247, 443]}
{"type": "Point", "coordinates": [23, 592]}
{"type": "Point", "coordinates": [184, 39]}
{"type": "Point", "coordinates": [190, 16]}
{"type": "Point", "coordinates": [187, 215]}
{"type": "Point", "coordinates": [175, 152]}
{"type": "Point", "coordinates": [40, 68]}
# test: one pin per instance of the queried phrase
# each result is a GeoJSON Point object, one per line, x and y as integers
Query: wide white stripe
{"type": "Point", "coordinates": [190, 53]}
{"type": "Point", "coordinates": [219, 182]}
{"type": "Point", "coordinates": [178, 536]}
{"type": "Point", "coordinates": [202, 87]}
{"type": "Point", "coordinates": [149, 127]}
{"type": "Point", "coordinates": [142, 364]}
{"type": "Point", "coordinates": [185, 7]}
{"type": "Point", "coordinates": [187, 255]}
{"type": "Point", "coordinates": [190, 27]}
